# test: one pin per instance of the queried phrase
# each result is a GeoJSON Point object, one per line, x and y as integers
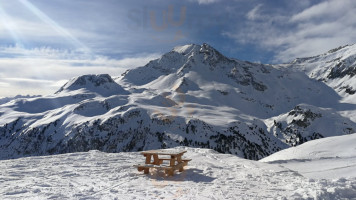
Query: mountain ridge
{"type": "Point", "coordinates": [336, 68]}
{"type": "Point", "coordinates": [192, 96]}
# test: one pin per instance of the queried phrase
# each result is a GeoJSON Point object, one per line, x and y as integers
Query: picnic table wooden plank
{"type": "Point", "coordinates": [183, 159]}
{"type": "Point", "coordinates": [160, 166]}
{"type": "Point", "coordinates": [153, 166]}
{"type": "Point", "coordinates": [164, 152]}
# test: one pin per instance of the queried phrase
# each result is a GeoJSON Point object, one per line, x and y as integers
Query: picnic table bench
{"type": "Point", "coordinates": [176, 162]}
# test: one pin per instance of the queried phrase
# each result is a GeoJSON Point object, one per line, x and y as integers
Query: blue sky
{"type": "Point", "coordinates": [44, 43]}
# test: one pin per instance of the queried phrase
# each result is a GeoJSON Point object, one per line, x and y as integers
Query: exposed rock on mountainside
{"type": "Point", "coordinates": [191, 96]}
{"type": "Point", "coordinates": [305, 123]}
{"type": "Point", "coordinates": [336, 68]}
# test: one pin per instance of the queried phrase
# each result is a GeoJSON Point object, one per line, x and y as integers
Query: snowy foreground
{"type": "Point", "coordinates": [210, 175]}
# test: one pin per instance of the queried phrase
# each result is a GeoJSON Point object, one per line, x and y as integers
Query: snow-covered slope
{"type": "Point", "coordinates": [195, 75]}
{"type": "Point", "coordinates": [332, 157]}
{"type": "Point", "coordinates": [192, 96]}
{"type": "Point", "coordinates": [210, 175]}
{"type": "Point", "coordinates": [337, 68]}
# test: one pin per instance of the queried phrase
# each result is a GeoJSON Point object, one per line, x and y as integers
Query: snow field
{"type": "Point", "coordinates": [210, 175]}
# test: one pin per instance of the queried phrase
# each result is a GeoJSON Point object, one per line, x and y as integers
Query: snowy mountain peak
{"type": "Point", "coordinates": [212, 55]}
{"type": "Point", "coordinates": [102, 84]}
{"type": "Point", "coordinates": [206, 48]}
{"type": "Point", "coordinates": [340, 53]}
{"type": "Point", "coordinates": [201, 59]}
{"type": "Point", "coordinates": [185, 49]}
{"type": "Point", "coordinates": [194, 50]}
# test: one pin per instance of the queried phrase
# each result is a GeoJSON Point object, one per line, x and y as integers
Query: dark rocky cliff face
{"type": "Point", "coordinates": [135, 131]}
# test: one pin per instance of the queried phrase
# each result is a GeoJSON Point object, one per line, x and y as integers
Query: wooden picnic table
{"type": "Point", "coordinates": [176, 162]}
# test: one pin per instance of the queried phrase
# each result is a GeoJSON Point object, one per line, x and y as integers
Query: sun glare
{"type": "Point", "coordinates": [55, 26]}
{"type": "Point", "coordinates": [10, 27]}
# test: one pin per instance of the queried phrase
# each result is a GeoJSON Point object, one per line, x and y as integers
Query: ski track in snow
{"type": "Point", "coordinates": [210, 175]}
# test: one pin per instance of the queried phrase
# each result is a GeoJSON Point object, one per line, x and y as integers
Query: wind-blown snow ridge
{"type": "Point", "coordinates": [192, 96]}
{"type": "Point", "coordinates": [185, 49]}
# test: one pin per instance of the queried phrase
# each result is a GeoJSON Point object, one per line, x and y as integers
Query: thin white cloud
{"type": "Point", "coordinates": [327, 9]}
{"type": "Point", "coordinates": [307, 32]}
{"type": "Point", "coordinates": [205, 1]}
{"type": "Point", "coordinates": [27, 80]}
{"type": "Point", "coordinates": [254, 13]}
{"type": "Point", "coordinates": [58, 84]}
{"type": "Point", "coordinates": [4, 84]}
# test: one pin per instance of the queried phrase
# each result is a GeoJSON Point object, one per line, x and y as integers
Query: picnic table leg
{"type": "Point", "coordinates": [148, 158]}
{"type": "Point", "coordinates": [173, 161]}
{"type": "Point", "coordinates": [179, 159]}
{"type": "Point", "coordinates": [169, 172]}
{"type": "Point", "coordinates": [156, 160]}
{"type": "Point", "coordinates": [146, 170]}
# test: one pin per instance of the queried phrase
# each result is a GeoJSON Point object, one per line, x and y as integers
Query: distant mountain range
{"type": "Point", "coordinates": [191, 96]}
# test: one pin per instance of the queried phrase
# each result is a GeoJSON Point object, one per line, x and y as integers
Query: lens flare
{"type": "Point", "coordinates": [10, 27]}
{"type": "Point", "coordinates": [59, 29]}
